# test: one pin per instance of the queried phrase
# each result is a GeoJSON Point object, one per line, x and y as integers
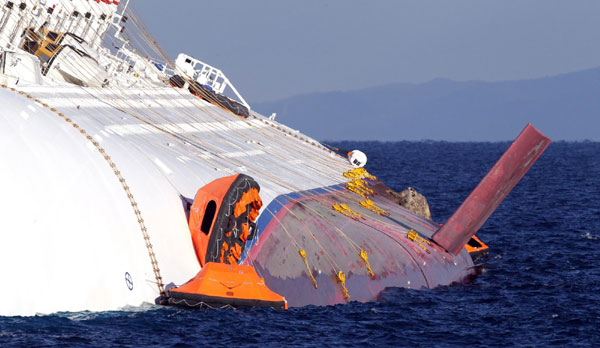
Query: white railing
{"type": "Point", "coordinates": [206, 74]}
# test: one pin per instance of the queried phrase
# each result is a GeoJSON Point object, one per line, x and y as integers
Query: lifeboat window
{"type": "Point", "coordinates": [209, 215]}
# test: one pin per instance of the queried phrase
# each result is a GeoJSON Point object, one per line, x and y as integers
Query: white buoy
{"type": "Point", "coordinates": [357, 158]}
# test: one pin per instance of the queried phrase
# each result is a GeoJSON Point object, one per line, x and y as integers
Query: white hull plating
{"type": "Point", "coordinates": [71, 239]}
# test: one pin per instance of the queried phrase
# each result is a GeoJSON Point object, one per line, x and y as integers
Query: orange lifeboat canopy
{"type": "Point", "coordinates": [204, 211]}
{"type": "Point", "coordinates": [222, 218]}
{"type": "Point", "coordinates": [220, 285]}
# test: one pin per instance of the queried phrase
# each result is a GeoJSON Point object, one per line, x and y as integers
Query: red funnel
{"type": "Point", "coordinates": [492, 190]}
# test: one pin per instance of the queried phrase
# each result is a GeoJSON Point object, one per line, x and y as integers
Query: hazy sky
{"type": "Point", "coordinates": [272, 49]}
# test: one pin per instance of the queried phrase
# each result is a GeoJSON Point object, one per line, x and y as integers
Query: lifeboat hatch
{"type": "Point", "coordinates": [222, 218]}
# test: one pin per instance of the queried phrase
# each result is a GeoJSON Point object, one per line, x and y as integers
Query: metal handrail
{"type": "Point", "coordinates": [206, 74]}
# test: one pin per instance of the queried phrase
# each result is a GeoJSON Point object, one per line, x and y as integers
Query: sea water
{"type": "Point", "coordinates": [540, 286]}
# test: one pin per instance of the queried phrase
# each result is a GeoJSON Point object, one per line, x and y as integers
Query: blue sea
{"type": "Point", "coordinates": [540, 286]}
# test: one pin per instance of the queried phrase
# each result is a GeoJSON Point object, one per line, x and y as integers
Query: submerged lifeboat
{"type": "Point", "coordinates": [476, 248]}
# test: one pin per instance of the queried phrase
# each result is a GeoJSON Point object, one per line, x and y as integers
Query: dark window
{"type": "Point", "coordinates": [52, 36]}
{"type": "Point", "coordinates": [209, 215]}
{"type": "Point", "coordinates": [474, 243]}
{"type": "Point", "coordinates": [51, 47]}
{"type": "Point", "coordinates": [30, 46]}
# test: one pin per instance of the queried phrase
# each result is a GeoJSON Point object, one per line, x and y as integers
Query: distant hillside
{"type": "Point", "coordinates": [564, 107]}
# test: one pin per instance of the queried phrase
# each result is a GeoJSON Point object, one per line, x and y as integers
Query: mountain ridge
{"type": "Point", "coordinates": [564, 107]}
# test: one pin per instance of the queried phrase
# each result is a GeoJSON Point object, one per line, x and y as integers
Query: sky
{"type": "Point", "coordinates": [273, 49]}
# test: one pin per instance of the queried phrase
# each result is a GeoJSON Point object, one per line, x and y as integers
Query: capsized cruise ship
{"type": "Point", "coordinates": [128, 178]}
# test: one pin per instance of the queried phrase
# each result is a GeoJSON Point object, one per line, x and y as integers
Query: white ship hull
{"type": "Point", "coordinates": [70, 234]}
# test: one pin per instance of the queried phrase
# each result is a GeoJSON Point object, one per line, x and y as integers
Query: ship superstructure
{"type": "Point", "coordinates": [105, 142]}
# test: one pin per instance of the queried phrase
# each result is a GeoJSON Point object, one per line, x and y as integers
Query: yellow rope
{"type": "Point", "coordinates": [344, 209]}
{"type": "Point", "coordinates": [359, 173]}
{"type": "Point", "coordinates": [359, 186]}
{"type": "Point", "coordinates": [342, 279]}
{"type": "Point", "coordinates": [368, 204]}
{"type": "Point", "coordinates": [414, 236]}
{"type": "Point", "coordinates": [365, 257]}
{"type": "Point", "coordinates": [302, 253]}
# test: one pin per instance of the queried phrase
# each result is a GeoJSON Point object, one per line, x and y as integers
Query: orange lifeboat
{"type": "Point", "coordinates": [221, 221]}
{"type": "Point", "coordinates": [476, 248]}
{"type": "Point", "coordinates": [219, 285]}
